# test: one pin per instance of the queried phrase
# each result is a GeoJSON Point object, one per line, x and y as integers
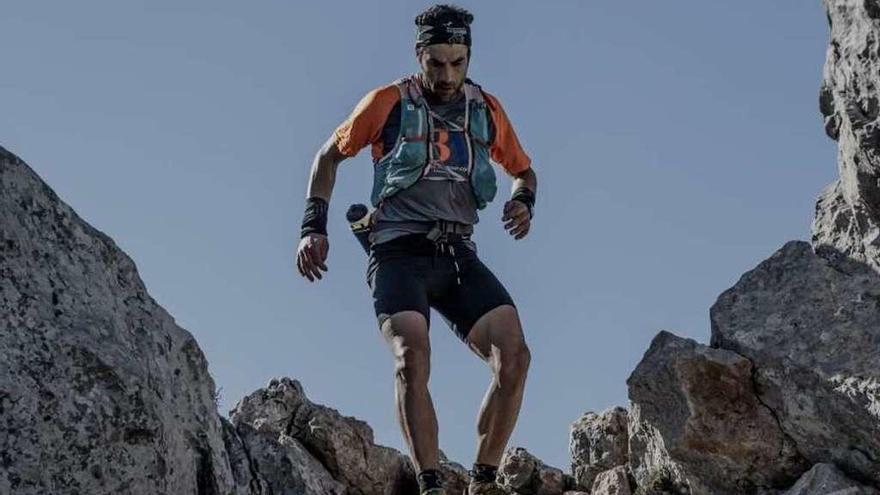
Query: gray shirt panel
{"type": "Point", "coordinates": [440, 195]}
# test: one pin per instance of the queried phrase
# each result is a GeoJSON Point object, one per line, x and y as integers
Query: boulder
{"type": "Point", "coordinates": [810, 325]}
{"type": "Point", "coordinates": [611, 482]}
{"type": "Point", "coordinates": [266, 463]}
{"type": "Point", "coordinates": [100, 390]}
{"type": "Point", "coordinates": [344, 445]}
{"type": "Point", "coordinates": [598, 442]}
{"type": "Point", "coordinates": [826, 479]}
{"type": "Point", "coordinates": [696, 423]}
{"type": "Point", "coordinates": [523, 473]}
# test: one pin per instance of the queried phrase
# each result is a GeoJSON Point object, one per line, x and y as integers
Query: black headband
{"type": "Point", "coordinates": [448, 33]}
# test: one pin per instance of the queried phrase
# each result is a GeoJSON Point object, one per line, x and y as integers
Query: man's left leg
{"type": "Point", "coordinates": [483, 315]}
{"type": "Point", "coordinates": [497, 338]}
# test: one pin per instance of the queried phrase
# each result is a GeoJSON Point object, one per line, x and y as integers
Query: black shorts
{"type": "Point", "coordinates": [412, 272]}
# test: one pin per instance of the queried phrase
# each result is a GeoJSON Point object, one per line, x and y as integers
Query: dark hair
{"type": "Point", "coordinates": [439, 14]}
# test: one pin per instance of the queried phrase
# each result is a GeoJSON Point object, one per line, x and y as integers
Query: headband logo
{"type": "Point", "coordinates": [457, 35]}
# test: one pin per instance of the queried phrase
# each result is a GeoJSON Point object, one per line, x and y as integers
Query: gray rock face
{"type": "Point", "coordinates": [812, 329]}
{"type": "Point", "coordinates": [848, 210]}
{"type": "Point", "coordinates": [598, 442]}
{"type": "Point", "coordinates": [281, 413]}
{"type": "Point", "coordinates": [826, 479]}
{"type": "Point", "coordinates": [611, 482]}
{"type": "Point", "coordinates": [266, 463]}
{"type": "Point", "coordinates": [100, 391]}
{"type": "Point", "coordinates": [524, 474]}
{"type": "Point", "coordinates": [695, 418]}
{"type": "Point", "coordinates": [247, 479]}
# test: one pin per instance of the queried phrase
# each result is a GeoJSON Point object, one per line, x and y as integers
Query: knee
{"type": "Point", "coordinates": [407, 335]}
{"type": "Point", "coordinates": [513, 365]}
{"type": "Point", "coordinates": [412, 364]}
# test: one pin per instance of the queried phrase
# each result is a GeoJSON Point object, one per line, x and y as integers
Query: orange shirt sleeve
{"type": "Point", "coordinates": [364, 125]}
{"type": "Point", "coordinates": [505, 148]}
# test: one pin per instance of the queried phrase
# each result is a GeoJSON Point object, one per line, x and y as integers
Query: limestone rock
{"type": "Point", "coordinates": [247, 480]}
{"type": "Point", "coordinates": [455, 475]}
{"type": "Point", "coordinates": [100, 390]}
{"type": "Point", "coordinates": [611, 482]}
{"type": "Point", "coordinates": [826, 479]}
{"type": "Point", "coordinates": [848, 211]}
{"type": "Point", "coordinates": [266, 463]}
{"type": "Point", "coordinates": [697, 422]}
{"type": "Point", "coordinates": [342, 444]}
{"type": "Point", "coordinates": [811, 326]}
{"type": "Point", "coordinates": [525, 474]}
{"type": "Point", "coordinates": [598, 442]}
{"type": "Point", "coordinates": [653, 469]}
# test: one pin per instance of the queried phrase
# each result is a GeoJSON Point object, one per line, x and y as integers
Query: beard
{"type": "Point", "coordinates": [441, 90]}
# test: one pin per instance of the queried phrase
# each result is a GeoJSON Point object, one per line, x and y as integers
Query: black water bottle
{"type": "Point", "coordinates": [358, 216]}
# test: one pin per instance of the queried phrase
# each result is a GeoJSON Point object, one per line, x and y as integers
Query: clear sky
{"type": "Point", "coordinates": [676, 144]}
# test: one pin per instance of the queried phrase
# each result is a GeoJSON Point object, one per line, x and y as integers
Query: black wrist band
{"type": "Point", "coordinates": [315, 217]}
{"type": "Point", "coordinates": [525, 195]}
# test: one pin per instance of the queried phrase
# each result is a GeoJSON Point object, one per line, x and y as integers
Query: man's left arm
{"type": "Point", "coordinates": [507, 151]}
{"type": "Point", "coordinates": [518, 211]}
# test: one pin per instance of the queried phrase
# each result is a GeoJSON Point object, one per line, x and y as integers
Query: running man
{"type": "Point", "coordinates": [432, 136]}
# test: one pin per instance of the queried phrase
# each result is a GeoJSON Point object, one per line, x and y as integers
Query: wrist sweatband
{"type": "Point", "coordinates": [525, 195]}
{"type": "Point", "coordinates": [315, 217]}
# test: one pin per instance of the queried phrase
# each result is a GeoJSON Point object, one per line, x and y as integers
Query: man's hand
{"type": "Point", "coordinates": [311, 256]}
{"type": "Point", "coordinates": [516, 214]}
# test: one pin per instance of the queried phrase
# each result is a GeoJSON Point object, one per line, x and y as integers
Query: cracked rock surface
{"type": "Point", "coordinates": [696, 415]}
{"type": "Point", "coordinates": [100, 391]}
{"type": "Point", "coordinates": [343, 445]}
{"type": "Point", "coordinates": [847, 214]}
{"type": "Point", "coordinates": [811, 326]}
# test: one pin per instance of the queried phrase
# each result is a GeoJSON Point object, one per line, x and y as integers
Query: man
{"type": "Point", "coordinates": [432, 136]}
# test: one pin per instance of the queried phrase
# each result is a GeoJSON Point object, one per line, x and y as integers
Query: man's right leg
{"type": "Point", "coordinates": [399, 274]}
{"type": "Point", "coordinates": [407, 335]}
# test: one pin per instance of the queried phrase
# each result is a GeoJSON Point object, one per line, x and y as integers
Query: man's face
{"type": "Point", "coordinates": [444, 68]}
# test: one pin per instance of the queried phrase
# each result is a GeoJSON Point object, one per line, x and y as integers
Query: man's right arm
{"type": "Point", "coordinates": [364, 126]}
{"type": "Point", "coordinates": [322, 175]}
{"type": "Point", "coordinates": [311, 255]}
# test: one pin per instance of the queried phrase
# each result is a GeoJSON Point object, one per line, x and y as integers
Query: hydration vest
{"type": "Point", "coordinates": [413, 152]}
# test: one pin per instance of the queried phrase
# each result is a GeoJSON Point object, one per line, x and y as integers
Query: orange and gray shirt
{"type": "Point", "coordinates": [443, 192]}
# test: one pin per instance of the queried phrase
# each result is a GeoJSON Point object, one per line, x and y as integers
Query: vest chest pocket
{"type": "Point", "coordinates": [407, 162]}
{"type": "Point", "coordinates": [483, 179]}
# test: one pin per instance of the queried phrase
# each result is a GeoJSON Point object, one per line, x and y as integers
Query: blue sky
{"type": "Point", "coordinates": [677, 144]}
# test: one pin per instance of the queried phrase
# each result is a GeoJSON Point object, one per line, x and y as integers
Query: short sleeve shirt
{"type": "Point", "coordinates": [443, 192]}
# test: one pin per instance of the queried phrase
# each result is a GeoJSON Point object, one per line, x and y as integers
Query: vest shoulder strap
{"type": "Point", "coordinates": [409, 89]}
{"type": "Point", "coordinates": [473, 92]}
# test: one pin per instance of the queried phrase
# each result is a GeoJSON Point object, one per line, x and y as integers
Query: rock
{"type": "Point", "coordinates": [247, 479]}
{"type": "Point", "coordinates": [611, 482]}
{"type": "Point", "coordinates": [266, 463]}
{"type": "Point", "coordinates": [598, 442]}
{"type": "Point", "coordinates": [342, 444]}
{"type": "Point", "coordinates": [848, 211]}
{"type": "Point", "coordinates": [525, 474]}
{"type": "Point", "coordinates": [826, 479]}
{"type": "Point", "coordinates": [811, 326]}
{"type": "Point", "coordinates": [696, 423]}
{"type": "Point", "coordinates": [100, 390]}
{"type": "Point", "coordinates": [455, 475]}
{"type": "Point", "coordinates": [653, 470]}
